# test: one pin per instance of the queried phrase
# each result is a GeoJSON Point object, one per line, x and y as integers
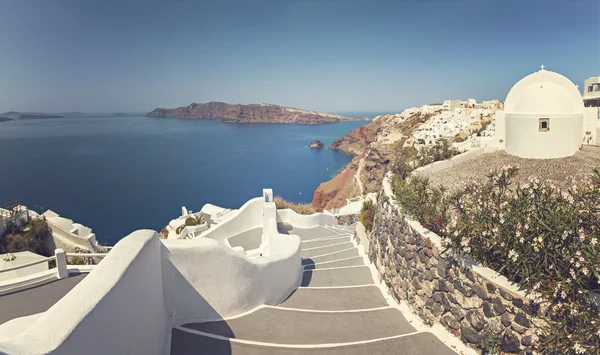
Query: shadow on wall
{"type": "Point", "coordinates": [183, 342]}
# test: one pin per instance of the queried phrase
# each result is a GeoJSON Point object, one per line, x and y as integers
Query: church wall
{"type": "Point", "coordinates": [524, 139]}
{"type": "Point", "coordinates": [590, 124]}
{"type": "Point", "coordinates": [500, 129]}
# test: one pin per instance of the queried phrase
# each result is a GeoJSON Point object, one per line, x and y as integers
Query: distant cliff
{"type": "Point", "coordinates": [253, 113]}
{"type": "Point", "coordinates": [15, 115]}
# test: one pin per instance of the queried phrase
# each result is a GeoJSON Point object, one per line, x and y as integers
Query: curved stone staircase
{"type": "Point", "coordinates": [337, 310]}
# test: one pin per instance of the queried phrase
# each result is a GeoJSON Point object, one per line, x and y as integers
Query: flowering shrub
{"type": "Point", "coordinates": [544, 239]}
{"type": "Point", "coordinates": [422, 201]}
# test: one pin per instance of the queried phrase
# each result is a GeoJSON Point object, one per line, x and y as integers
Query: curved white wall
{"type": "Point", "coordinates": [524, 139]}
{"type": "Point", "coordinates": [249, 216]}
{"type": "Point", "coordinates": [206, 280]}
{"type": "Point", "coordinates": [119, 308]}
{"type": "Point", "coordinates": [306, 221]}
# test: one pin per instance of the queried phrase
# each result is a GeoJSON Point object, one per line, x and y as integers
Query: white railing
{"type": "Point", "coordinates": [36, 277]}
{"type": "Point", "coordinates": [32, 263]}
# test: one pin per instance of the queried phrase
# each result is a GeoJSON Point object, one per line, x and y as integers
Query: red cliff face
{"type": "Point", "coordinates": [333, 193]}
{"type": "Point", "coordinates": [254, 113]}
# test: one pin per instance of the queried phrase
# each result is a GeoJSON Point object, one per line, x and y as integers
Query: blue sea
{"type": "Point", "coordinates": [121, 173]}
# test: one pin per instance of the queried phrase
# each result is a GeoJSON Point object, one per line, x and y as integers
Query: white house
{"type": "Point", "coordinates": [591, 92]}
{"type": "Point", "coordinates": [451, 105]}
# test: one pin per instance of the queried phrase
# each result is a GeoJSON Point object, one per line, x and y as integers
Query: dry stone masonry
{"type": "Point", "coordinates": [440, 289]}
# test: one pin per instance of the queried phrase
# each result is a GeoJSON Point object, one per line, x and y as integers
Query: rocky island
{"type": "Point", "coordinates": [15, 115]}
{"type": "Point", "coordinates": [316, 144]}
{"type": "Point", "coordinates": [253, 113]}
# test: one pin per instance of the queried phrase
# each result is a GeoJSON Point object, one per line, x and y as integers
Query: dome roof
{"type": "Point", "coordinates": [544, 92]}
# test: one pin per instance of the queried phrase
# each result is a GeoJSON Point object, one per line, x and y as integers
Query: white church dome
{"type": "Point", "coordinates": [544, 92]}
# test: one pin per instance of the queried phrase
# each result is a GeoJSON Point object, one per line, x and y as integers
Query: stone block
{"type": "Point", "coordinates": [521, 319]}
{"type": "Point", "coordinates": [459, 285]}
{"type": "Point", "coordinates": [458, 312]}
{"type": "Point", "coordinates": [468, 333]}
{"type": "Point", "coordinates": [510, 342]}
{"type": "Point", "coordinates": [505, 294]}
{"type": "Point", "coordinates": [451, 322]}
{"type": "Point", "coordinates": [498, 305]}
{"type": "Point", "coordinates": [488, 310]}
{"type": "Point", "coordinates": [527, 340]}
{"type": "Point", "coordinates": [491, 287]}
{"type": "Point", "coordinates": [476, 319]}
{"type": "Point", "coordinates": [480, 291]}
{"type": "Point", "coordinates": [517, 302]}
{"type": "Point", "coordinates": [495, 326]}
{"type": "Point", "coordinates": [519, 328]}
{"type": "Point", "coordinates": [506, 319]}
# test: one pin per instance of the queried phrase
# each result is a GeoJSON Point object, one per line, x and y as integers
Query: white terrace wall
{"type": "Point", "coordinates": [68, 241]}
{"type": "Point", "coordinates": [445, 164]}
{"type": "Point", "coordinates": [306, 221]}
{"type": "Point", "coordinates": [469, 300]}
{"type": "Point", "coordinates": [249, 216]}
{"type": "Point", "coordinates": [117, 309]}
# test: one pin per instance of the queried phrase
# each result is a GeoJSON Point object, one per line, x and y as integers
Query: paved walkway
{"type": "Point", "coordinates": [36, 299]}
{"type": "Point", "coordinates": [337, 310]}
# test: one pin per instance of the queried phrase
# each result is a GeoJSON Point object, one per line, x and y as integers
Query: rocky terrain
{"type": "Point", "coordinates": [375, 146]}
{"type": "Point", "coordinates": [316, 144]}
{"type": "Point", "coordinates": [253, 113]}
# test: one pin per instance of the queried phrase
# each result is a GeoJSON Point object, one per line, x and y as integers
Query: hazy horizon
{"type": "Point", "coordinates": [332, 56]}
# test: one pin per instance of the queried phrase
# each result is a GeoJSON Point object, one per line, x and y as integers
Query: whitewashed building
{"type": "Point", "coordinates": [544, 117]}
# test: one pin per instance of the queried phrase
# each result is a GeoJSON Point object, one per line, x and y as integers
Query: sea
{"type": "Point", "coordinates": [117, 174]}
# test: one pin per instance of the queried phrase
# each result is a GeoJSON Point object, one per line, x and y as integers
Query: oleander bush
{"type": "Point", "coordinates": [299, 208]}
{"type": "Point", "coordinates": [422, 201]}
{"type": "Point", "coordinates": [543, 238]}
{"type": "Point", "coordinates": [367, 214]}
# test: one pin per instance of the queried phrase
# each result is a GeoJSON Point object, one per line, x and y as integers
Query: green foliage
{"type": "Point", "coordinates": [490, 343]}
{"type": "Point", "coordinates": [422, 201]}
{"type": "Point", "coordinates": [441, 150]}
{"type": "Point", "coordinates": [191, 221]}
{"type": "Point", "coordinates": [32, 238]}
{"type": "Point", "coordinates": [367, 214]}
{"type": "Point", "coordinates": [544, 239]}
{"type": "Point", "coordinates": [402, 169]}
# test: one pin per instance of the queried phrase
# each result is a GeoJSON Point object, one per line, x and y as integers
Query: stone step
{"type": "Point", "coordinates": [184, 343]}
{"type": "Point", "coordinates": [323, 242]}
{"type": "Point", "coordinates": [354, 261]}
{"type": "Point", "coordinates": [588, 154]}
{"type": "Point", "coordinates": [591, 148]}
{"type": "Point", "coordinates": [281, 326]}
{"type": "Point", "coordinates": [314, 233]}
{"type": "Point", "coordinates": [350, 276]}
{"type": "Point", "coordinates": [331, 257]}
{"type": "Point", "coordinates": [336, 299]}
{"type": "Point", "coordinates": [328, 249]}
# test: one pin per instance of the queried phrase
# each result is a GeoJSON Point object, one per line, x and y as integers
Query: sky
{"type": "Point", "coordinates": [328, 55]}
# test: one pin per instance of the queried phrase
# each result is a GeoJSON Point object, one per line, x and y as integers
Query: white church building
{"type": "Point", "coordinates": [544, 117]}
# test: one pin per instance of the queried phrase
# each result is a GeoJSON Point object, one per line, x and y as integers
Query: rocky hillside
{"type": "Point", "coordinates": [375, 146]}
{"type": "Point", "coordinates": [253, 113]}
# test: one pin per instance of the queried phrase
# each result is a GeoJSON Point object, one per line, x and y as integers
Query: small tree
{"type": "Point", "coordinates": [367, 214]}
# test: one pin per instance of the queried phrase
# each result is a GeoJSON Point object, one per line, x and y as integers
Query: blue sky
{"type": "Point", "coordinates": [331, 55]}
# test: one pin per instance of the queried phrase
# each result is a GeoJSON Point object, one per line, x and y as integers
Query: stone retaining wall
{"type": "Point", "coordinates": [472, 302]}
